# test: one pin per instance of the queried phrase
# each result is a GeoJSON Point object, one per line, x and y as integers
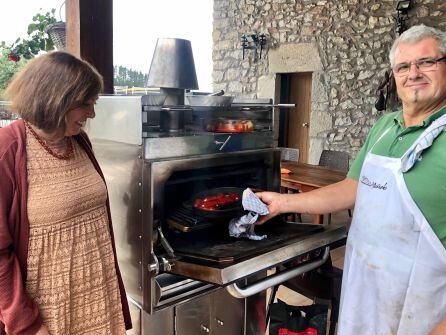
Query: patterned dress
{"type": "Point", "coordinates": [71, 270]}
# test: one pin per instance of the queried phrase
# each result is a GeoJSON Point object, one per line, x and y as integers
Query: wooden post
{"type": "Point", "coordinates": [90, 35]}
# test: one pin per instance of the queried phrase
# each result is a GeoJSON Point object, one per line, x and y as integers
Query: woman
{"type": "Point", "coordinates": [58, 269]}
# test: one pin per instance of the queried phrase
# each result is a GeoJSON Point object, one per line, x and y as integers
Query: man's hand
{"type": "Point", "coordinates": [43, 331]}
{"type": "Point", "coordinates": [274, 201]}
{"type": "Point", "coordinates": [328, 199]}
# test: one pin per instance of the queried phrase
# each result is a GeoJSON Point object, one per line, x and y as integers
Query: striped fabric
{"type": "Point", "coordinates": [424, 141]}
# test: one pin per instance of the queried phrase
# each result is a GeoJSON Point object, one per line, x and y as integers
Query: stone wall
{"type": "Point", "coordinates": [344, 43]}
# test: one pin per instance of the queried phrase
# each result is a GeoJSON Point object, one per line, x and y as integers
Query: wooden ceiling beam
{"type": "Point", "coordinates": [90, 35]}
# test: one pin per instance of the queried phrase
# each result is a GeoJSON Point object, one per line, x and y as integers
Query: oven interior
{"type": "Point", "coordinates": [206, 240]}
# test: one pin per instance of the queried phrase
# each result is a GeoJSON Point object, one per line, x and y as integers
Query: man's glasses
{"type": "Point", "coordinates": [423, 65]}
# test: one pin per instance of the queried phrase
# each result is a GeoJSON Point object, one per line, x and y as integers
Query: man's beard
{"type": "Point", "coordinates": [415, 95]}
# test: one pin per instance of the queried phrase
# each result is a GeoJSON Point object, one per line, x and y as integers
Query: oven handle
{"type": "Point", "coordinates": [276, 279]}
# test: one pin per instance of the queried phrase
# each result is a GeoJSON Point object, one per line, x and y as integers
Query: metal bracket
{"type": "Point", "coordinates": [165, 264]}
{"type": "Point", "coordinates": [165, 243]}
{"type": "Point", "coordinates": [253, 42]}
{"type": "Point", "coordinates": [154, 267]}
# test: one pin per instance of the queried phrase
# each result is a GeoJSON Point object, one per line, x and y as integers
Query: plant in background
{"type": "Point", "coordinates": [13, 57]}
{"type": "Point", "coordinates": [36, 41]}
{"type": "Point", "coordinates": [8, 68]}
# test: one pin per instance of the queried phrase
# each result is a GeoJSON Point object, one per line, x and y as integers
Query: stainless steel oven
{"type": "Point", "coordinates": [181, 270]}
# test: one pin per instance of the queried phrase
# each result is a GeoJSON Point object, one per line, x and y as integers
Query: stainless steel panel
{"type": "Point", "coordinates": [185, 146]}
{"type": "Point", "coordinates": [118, 118]}
{"type": "Point", "coordinates": [228, 314]}
{"type": "Point", "coordinates": [163, 323]}
{"type": "Point", "coordinates": [231, 273]}
{"type": "Point", "coordinates": [135, 314]}
{"type": "Point", "coordinates": [193, 318]}
{"type": "Point", "coordinates": [149, 286]}
{"type": "Point", "coordinates": [122, 171]}
{"type": "Point", "coordinates": [174, 290]}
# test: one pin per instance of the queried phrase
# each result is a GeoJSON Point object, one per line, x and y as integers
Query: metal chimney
{"type": "Point", "coordinates": [173, 69]}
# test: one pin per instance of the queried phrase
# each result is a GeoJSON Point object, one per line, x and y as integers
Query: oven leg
{"type": "Point", "coordinates": [270, 302]}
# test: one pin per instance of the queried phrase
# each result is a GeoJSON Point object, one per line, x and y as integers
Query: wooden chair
{"type": "Point", "coordinates": [289, 154]}
{"type": "Point", "coordinates": [336, 160]}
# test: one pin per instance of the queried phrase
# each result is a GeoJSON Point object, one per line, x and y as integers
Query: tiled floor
{"type": "Point", "coordinates": [337, 256]}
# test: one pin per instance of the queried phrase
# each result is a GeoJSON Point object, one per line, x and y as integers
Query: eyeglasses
{"type": "Point", "coordinates": [423, 65]}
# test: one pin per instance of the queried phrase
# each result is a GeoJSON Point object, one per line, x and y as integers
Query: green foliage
{"type": "Point", "coordinates": [128, 77]}
{"type": "Point", "coordinates": [7, 70]}
{"type": "Point", "coordinates": [37, 39]}
{"type": "Point", "coordinates": [13, 57]}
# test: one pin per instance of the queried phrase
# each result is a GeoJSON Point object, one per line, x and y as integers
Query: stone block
{"type": "Point", "coordinates": [315, 149]}
{"type": "Point", "coordinates": [319, 88]}
{"type": "Point", "coordinates": [320, 122]}
{"type": "Point", "coordinates": [288, 58]}
{"type": "Point", "coordinates": [266, 86]}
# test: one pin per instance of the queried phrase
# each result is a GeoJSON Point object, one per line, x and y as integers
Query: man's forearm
{"type": "Point", "coordinates": [440, 329]}
{"type": "Point", "coordinates": [325, 200]}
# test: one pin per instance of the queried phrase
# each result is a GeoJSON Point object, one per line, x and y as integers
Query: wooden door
{"type": "Point", "coordinates": [299, 116]}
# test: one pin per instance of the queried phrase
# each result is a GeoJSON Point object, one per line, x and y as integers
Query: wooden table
{"type": "Point", "coordinates": [306, 177]}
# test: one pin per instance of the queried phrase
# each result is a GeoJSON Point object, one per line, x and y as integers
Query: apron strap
{"type": "Point", "coordinates": [425, 140]}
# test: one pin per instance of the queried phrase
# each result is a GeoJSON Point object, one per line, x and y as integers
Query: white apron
{"type": "Point", "coordinates": [394, 279]}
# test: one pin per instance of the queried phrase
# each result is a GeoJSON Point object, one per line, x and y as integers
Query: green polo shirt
{"type": "Point", "coordinates": [426, 181]}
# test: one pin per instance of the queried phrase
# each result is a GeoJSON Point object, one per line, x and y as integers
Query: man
{"type": "Point", "coordinates": [394, 278]}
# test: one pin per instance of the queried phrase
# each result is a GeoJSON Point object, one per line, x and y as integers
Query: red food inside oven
{"type": "Point", "coordinates": [229, 126]}
{"type": "Point", "coordinates": [217, 201]}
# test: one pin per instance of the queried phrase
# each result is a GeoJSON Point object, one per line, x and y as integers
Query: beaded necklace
{"type": "Point", "coordinates": [67, 155]}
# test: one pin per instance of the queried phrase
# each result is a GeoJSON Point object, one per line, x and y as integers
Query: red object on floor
{"type": "Point", "coordinates": [308, 331]}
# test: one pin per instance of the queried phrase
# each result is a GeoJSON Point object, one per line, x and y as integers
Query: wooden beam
{"type": "Point", "coordinates": [90, 35]}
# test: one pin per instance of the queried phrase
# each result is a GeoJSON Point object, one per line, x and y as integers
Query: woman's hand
{"type": "Point", "coordinates": [43, 331]}
{"type": "Point", "coordinates": [274, 201]}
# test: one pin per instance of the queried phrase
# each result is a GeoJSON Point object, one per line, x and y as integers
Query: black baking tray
{"type": "Point", "coordinates": [214, 245]}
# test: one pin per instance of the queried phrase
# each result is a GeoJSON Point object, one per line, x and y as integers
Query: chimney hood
{"type": "Point", "coordinates": [173, 65]}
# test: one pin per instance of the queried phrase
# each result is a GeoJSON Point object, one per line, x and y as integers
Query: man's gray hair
{"type": "Point", "coordinates": [416, 34]}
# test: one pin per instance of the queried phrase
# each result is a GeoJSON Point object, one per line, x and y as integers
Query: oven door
{"type": "Point", "coordinates": [227, 260]}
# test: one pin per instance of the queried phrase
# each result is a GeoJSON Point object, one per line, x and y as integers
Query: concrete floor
{"type": "Point", "coordinates": [337, 255]}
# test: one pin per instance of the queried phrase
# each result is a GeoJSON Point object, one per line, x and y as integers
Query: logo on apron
{"type": "Point", "coordinates": [373, 184]}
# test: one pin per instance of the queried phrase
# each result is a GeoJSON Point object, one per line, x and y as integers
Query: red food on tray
{"type": "Point", "coordinates": [216, 201]}
{"type": "Point", "coordinates": [229, 126]}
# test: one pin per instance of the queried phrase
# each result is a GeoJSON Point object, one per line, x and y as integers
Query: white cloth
{"type": "Point", "coordinates": [423, 142]}
{"type": "Point", "coordinates": [394, 278]}
{"type": "Point", "coordinates": [244, 226]}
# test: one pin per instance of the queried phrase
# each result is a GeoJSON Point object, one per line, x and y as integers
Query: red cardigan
{"type": "Point", "coordinates": [17, 310]}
